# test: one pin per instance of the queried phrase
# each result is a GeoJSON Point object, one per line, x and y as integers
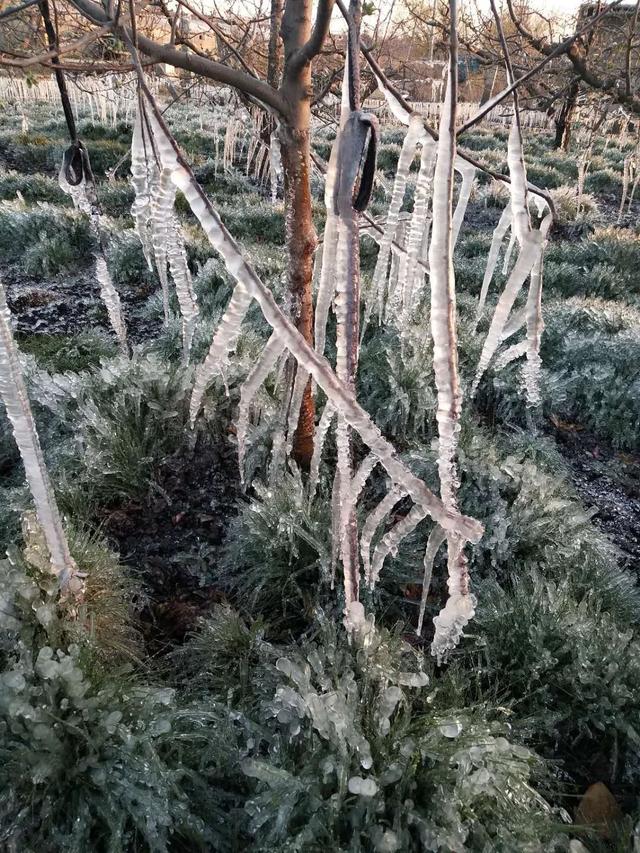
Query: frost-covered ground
{"type": "Point", "coordinates": [219, 706]}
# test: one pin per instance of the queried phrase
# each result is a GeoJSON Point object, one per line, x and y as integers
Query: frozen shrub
{"type": "Point", "coordinates": [566, 203]}
{"type": "Point", "coordinates": [572, 671]}
{"type": "Point", "coordinates": [115, 198]}
{"type": "Point", "coordinates": [396, 386]}
{"type": "Point", "coordinates": [62, 353]}
{"type": "Point", "coordinates": [277, 552]}
{"type": "Point", "coordinates": [363, 755]}
{"type": "Point", "coordinates": [32, 188]}
{"type": "Point", "coordinates": [603, 181]}
{"type": "Point", "coordinates": [133, 416]}
{"type": "Point", "coordinates": [127, 264]}
{"type": "Point", "coordinates": [44, 240]}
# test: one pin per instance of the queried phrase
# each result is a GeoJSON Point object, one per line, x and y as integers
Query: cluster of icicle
{"type": "Point", "coordinates": [409, 250]}
{"type": "Point", "coordinates": [83, 195]}
{"type": "Point", "coordinates": [158, 228]}
{"type": "Point", "coordinates": [398, 287]}
{"type": "Point", "coordinates": [285, 338]}
{"type": "Point", "coordinates": [13, 394]}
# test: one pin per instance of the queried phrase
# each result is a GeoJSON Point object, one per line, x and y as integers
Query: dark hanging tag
{"type": "Point", "coordinates": [73, 163]}
{"type": "Point", "coordinates": [356, 162]}
{"type": "Point", "coordinates": [368, 172]}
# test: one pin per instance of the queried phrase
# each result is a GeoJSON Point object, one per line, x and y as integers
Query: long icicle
{"type": "Point", "coordinates": [410, 268]}
{"type": "Point", "coordinates": [497, 239]}
{"type": "Point", "coordinates": [468, 177]}
{"type": "Point", "coordinates": [435, 540]}
{"type": "Point", "coordinates": [177, 257]}
{"type": "Point", "coordinates": [328, 414]}
{"type": "Point", "coordinates": [13, 392]}
{"type": "Point", "coordinates": [371, 524]}
{"type": "Point", "coordinates": [407, 153]}
{"type": "Point", "coordinates": [270, 354]}
{"type": "Point", "coordinates": [83, 194]}
{"type": "Point", "coordinates": [389, 543]}
{"type": "Point", "coordinates": [460, 605]}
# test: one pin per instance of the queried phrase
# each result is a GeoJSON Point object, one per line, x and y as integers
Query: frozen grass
{"type": "Point", "coordinates": [251, 753]}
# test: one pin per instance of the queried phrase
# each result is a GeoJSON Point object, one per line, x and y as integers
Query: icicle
{"type": "Point", "coordinates": [516, 322]}
{"type": "Point", "coordinates": [511, 353]}
{"type": "Point", "coordinates": [531, 245]}
{"type": "Point", "coordinates": [499, 233]}
{"type": "Point", "coordinates": [275, 165]}
{"type": "Point", "coordinates": [141, 182]}
{"type": "Point", "coordinates": [224, 340]}
{"type": "Point", "coordinates": [372, 522]}
{"type": "Point", "coordinates": [361, 476]}
{"type": "Point", "coordinates": [626, 178]}
{"type": "Point", "coordinates": [267, 361]}
{"type": "Point", "coordinates": [418, 228]}
{"type": "Point", "coordinates": [111, 299]}
{"type": "Point", "coordinates": [468, 177]}
{"type": "Point", "coordinates": [164, 194]}
{"type": "Point", "coordinates": [509, 252]}
{"type": "Point", "coordinates": [535, 323]}
{"type": "Point", "coordinates": [177, 257]}
{"type": "Point", "coordinates": [295, 404]}
{"type": "Point", "coordinates": [436, 538]}
{"type": "Point", "coordinates": [391, 540]}
{"type": "Point", "coordinates": [460, 605]}
{"type": "Point", "coordinates": [13, 392]}
{"type": "Point", "coordinates": [319, 438]}
{"type": "Point", "coordinates": [85, 200]}
{"type": "Point", "coordinates": [525, 262]}
{"type": "Point", "coordinates": [407, 154]}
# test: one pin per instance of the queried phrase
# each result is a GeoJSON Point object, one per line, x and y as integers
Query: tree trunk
{"type": "Point", "coordinates": [564, 119]}
{"type": "Point", "coordinates": [301, 244]}
{"type": "Point", "coordinates": [301, 238]}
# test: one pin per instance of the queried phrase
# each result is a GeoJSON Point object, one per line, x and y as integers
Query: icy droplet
{"type": "Point", "coordinates": [363, 787]}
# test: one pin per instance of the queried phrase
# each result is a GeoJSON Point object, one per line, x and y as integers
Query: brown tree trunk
{"type": "Point", "coordinates": [301, 244]}
{"type": "Point", "coordinates": [564, 119]}
{"type": "Point", "coordinates": [301, 238]}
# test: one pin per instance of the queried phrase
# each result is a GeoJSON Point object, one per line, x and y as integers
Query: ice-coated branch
{"type": "Point", "coordinates": [460, 605]}
{"type": "Point", "coordinates": [468, 177]}
{"type": "Point", "coordinates": [435, 540]}
{"type": "Point", "coordinates": [499, 233]}
{"type": "Point", "coordinates": [371, 524]}
{"type": "Point", "coordinates": [265, 364]}
{"type": "Point", "coordinates": [13, 392]}
{"type": "Point", "coordinates": [407, 153]}
{"type": "Point", "coordinates": [250, 287]}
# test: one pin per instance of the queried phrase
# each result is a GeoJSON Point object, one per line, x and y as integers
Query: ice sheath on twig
{"type": "Point", "coordinates": [158, 228]}
{"type": "Point", "coordinates": [460, 605]}
{"type": "Point", "coordinates": [76, 179]}
{"type": "Point", "coordinates": [248, 287]}
{"type": "Point", "coordinates": [13, 393]}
